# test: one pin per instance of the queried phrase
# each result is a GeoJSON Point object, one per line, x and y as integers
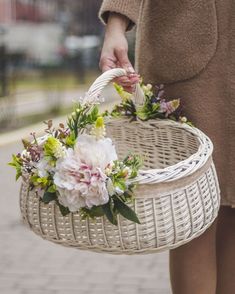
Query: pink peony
{"type": "Point", "coordinates": [80, 176]}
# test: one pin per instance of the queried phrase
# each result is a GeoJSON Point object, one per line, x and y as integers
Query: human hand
{"type": "Point", "coordinates": [115, 52]}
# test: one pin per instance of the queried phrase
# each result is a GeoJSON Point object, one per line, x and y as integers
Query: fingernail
{"type": "Point", "coordinates": [130, 69]}
{"type": "Point", "coordinates": [134, 80]}
{"type": "Point", "coordinates": [133, 75]}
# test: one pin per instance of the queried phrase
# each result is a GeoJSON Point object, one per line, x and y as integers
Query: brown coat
{"type": "Point", "coordinates": [189, 45]}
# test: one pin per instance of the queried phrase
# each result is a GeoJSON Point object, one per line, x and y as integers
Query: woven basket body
{"type": "Point", "coordinates": [177, 196]}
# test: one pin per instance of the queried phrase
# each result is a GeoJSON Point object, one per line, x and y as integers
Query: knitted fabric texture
{"type": "Point", "coordinates": [189, 46]}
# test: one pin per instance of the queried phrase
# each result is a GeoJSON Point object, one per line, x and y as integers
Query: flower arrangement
{"type": "Point", "coordinates": [154, 105]}
{"type": "Point", "coordinates": [80, 170]}
{"type": "Point", "coordinates": [77, 165]}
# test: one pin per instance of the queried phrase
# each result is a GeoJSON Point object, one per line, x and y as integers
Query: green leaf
{"type": "Point", "coordinates": [70, 140]}
{"type": "Point", "coordinates": [48, 197]}
{"type": "Point", "coordinates": [108, 211]}
{"type": "Point", "coordinates": [134, 174]}
{"type": "Point", "coordinates": [105, 113]}
{"type": "Point", "coordinates": [142, 115]}
{"type": "Point", "coordinates": [123, 94]}
{"type": "Point", "coordinates": [17, 164]}
{"type": "Point", "coordinates": [51, 189]}
{"type": "Point", "coordinates": [94, 112]}
{"type": "Point", "coordinates": [131, 187]}
{"type": "Point", "coordinates": [126, 211]}
{"type": "Point", "coordinates": [120, 184]}
{"type": "Point", "coordinates": [95, 211]}
{"type": "Point", "coordinates": [190, 124]}
{"type": "Point", "coordinates": [64, 210]}
{"type": "Point", "coordinates": [38, 181]}
{"type": "Point", "coordinates": [156, 106]}
{"type": "Point", "coordinates": [50, 147]}
{"type": "Point", "coordinates": [18, 174]}
{"type": "Point", "coordinates": [128, 194]}
{"type": "Point", "coordinates": [134, 161]}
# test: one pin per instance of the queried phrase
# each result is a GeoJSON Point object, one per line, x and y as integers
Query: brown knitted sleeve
{"type": "Point", "coordinates": [129, 8]}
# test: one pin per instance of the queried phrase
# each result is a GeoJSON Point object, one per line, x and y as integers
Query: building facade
{"type": "Point", "coordinates": [79, 16]}
{"type": "Point", "coordinates": [28, 10]}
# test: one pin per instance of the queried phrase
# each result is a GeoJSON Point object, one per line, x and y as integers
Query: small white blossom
{"type": "Point", "coordinates": [127, 171]}
{"type": "Point", "coordinates": [183, 119]}
{"type": "Point", "coordinates": [43, 168]}
{"type": "Point", "coordinates": [98, 133]}
{"type": "Point", "coordinates": [119, 191]}
{"type": "Point", "coordinates": [98, 130]}
{"type": "Point", "coordinates": [59, 151]}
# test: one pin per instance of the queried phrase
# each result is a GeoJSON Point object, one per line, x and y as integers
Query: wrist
{"type": "Point", "coordinates": [117, 23]}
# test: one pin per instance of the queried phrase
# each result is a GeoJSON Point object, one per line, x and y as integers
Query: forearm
{"type": "Point", "coordinates": [117, 22]}
{"type": "Point", "coordinates": [128, 8]}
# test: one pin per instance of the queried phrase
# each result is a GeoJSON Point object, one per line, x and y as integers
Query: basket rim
{"type": "Point", "coordinates": [176, 171]}
{"type": "Point", "coordinates": [181, 169]}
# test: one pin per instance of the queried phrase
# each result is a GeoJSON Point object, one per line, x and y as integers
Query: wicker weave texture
{"type": "Point", "coordinates": [166, 221]}
{"type": "Point", "coordinates": [171, 213]}
{"type": "Point", "coordinates": [177, 197]}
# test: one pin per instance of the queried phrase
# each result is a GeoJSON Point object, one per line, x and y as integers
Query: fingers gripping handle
{"type": "Point", "coordinates": [102, 81]}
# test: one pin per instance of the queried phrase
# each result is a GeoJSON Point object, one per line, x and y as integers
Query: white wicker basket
{"type": "Point", "coordinates": [177, 199]}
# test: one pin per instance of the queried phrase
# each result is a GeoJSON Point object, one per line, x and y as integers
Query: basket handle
{"type": "Point", "coordinates": [103, 80]}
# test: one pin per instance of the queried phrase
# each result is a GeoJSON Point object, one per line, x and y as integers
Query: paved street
{"type": "Point", "coordinates": [29, 265]}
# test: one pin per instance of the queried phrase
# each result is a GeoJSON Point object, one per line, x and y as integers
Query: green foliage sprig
{"type": "Point", "coordinates": [154, 106]}
{"type": "Point", "coordinates": [82, 116]}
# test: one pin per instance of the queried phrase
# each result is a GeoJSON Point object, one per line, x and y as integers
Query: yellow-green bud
{"type": "Point", "coordinates": [175, 103]}
{"type": "Point", "coordinates": [73, 115]}
{"type": "Point", "coordinates": [99, 122]}
{"type": "Point", "coordinates": [183, 119]}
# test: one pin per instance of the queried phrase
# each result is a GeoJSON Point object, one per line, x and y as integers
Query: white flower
{"type": "Point", "coordinates": [110, 187]}
{"type": "Point", "coordinates": [66, 171]}
{"type": "Point", "coordinates": [97, 190]}
{"type": "Point", "coordinates": [80, 176]}
{"type": "Point", "coordinates": [183, 119]}
{"type": "Point", "coordinates": [96, 153]}
{"type": "Point", "coordinates": [59, 151]}
{"type": "Point", "coordinates": [98, 130]}
{"type": "Point", "coordinates": [84, 194]}
{"type": "Point", "coordinates": [147, 90]}
{"type": "Point", "coordinates": [71, 199]}
{"type": "Point", "coordinates": [149, 86]}
{"type": "Point", "coordinates": [43, 168]}
{"type": "Point", "coordinates": [109, 168]}
{"type": "Point", "coordinates": [42, 140]}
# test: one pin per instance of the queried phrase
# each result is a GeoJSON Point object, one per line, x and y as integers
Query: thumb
{"type": "Point", "coordinates": [123, 60]}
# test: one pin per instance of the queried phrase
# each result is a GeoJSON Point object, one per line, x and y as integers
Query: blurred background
{"type": "Point", "coordinates": [49, 55]}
